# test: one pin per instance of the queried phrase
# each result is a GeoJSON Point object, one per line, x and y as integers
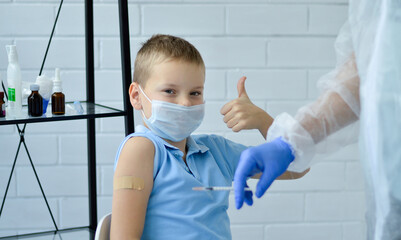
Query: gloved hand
{"type": "Point", "coordinates": [272, 159]}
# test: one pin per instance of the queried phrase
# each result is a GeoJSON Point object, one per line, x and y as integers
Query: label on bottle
{"type": "Point", "coordinates": [11, 94]}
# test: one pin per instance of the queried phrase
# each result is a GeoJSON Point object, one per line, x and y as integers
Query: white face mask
{"type": "Point", "coordinates": [172, 121]}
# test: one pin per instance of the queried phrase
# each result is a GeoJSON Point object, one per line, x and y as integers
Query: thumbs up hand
{"type": "Point", "coordinates": [241, 113]}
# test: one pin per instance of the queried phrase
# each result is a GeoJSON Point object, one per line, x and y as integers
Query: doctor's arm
{"type": "Point", "coordinates": [292, 141]}
{"type": "Point", "coordinates": [135, 166]}
{"type": "Point", "coordinates": [336, 108]}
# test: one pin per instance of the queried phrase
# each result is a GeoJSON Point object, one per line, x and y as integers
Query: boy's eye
{"type": "Point", "coordinates": [169, 91]}
{"type": "Point", "coordinates": [196, 93]}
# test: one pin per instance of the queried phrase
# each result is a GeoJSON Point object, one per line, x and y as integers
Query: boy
{"type": "Point", "coordinates": [157, 167]}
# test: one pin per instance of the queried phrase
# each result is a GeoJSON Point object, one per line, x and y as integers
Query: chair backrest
{"type": "Point", "coordinates": [103, 228]}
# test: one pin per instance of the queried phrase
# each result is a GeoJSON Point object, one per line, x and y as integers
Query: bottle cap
{"type": "Point", "coordinates": [34, 87]}
{"type": "Point", "coordinates": [57, 74]}
{"type": "Point", "coordinates": [57, 81]}
{"type": "Point", "coordinates": [12, 53]}
{"type": "Point", "coordinates": [42, 78]}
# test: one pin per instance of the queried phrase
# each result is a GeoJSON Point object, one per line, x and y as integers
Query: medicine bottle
{"type": "Point", "coordinates": [2, 105]}
{"type": "Point", "coordinates": [35, 102]}
{"type": "Point", "coordinates": [58, 98]}
{"type": "Point", "coordinates": [14, 105]}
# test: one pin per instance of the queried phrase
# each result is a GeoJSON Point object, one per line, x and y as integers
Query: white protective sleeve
{"type": "Point", "coordinates": [337, 106]}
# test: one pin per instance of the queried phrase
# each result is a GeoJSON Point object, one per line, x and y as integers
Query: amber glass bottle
{"type": "Point", "coordinates": [58, 103]}
{"type": "Point", "coordinates": [58, 98]}
{"type": "Point", "coordinates": [35, 102]}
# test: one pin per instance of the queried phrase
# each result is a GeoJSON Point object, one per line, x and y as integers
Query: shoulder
{"type": "Point", "coordinates": [138, 146]}
{"type": "Point", "coordinates": [137, 152]}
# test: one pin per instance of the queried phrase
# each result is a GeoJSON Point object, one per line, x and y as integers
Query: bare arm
{"type": "Point", "coordinates": [129, 205]}
{"type": "Point", "coordinates": [287, 175]}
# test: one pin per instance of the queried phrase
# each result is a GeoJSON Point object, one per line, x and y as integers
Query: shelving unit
{"type": "Point", "coordinates": [92, 111]}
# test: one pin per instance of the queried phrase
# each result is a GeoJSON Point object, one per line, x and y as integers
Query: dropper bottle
{"type": "Point", "coordinates": [58, 98]}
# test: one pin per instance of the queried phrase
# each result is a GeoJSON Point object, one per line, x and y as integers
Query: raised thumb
{"type": "Point", "coordinates": [241, 87]}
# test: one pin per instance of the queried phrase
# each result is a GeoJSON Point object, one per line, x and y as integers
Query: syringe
{"type": "Point", "coordinates": [216, 188]}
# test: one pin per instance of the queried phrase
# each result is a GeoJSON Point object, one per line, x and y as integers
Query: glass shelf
{"type": "Point", "coordinates": [90, 111]}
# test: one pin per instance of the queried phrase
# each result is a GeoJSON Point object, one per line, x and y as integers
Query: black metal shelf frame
{"type": "Point", "coordinates": [89, 116]}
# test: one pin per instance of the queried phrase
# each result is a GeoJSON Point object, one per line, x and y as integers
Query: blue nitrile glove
{"type": "Point", "coordinates": [272, 159]}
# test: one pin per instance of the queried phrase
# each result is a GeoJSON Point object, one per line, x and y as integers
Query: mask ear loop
{"type": "Point", "coordinates": [142, 112]}
{"type": "Point", "coordinates": [144, 93]}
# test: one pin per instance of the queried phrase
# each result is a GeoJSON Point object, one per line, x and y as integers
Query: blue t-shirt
{"type": "Point", "coordinates": [174, 210]}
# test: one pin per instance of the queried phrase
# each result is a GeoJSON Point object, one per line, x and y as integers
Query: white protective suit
{"type": "Point", "coordinates": [365, 85]}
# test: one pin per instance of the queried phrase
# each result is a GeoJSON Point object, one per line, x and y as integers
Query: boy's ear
{"type": "Point", "coordinates": [134, 96]}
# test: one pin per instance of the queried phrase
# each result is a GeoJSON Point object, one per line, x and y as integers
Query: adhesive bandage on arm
{"type": "Point", "coordinates": [129, 182]}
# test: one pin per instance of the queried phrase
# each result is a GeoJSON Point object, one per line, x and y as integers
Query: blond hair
{"type": "Point", "coordinates": [160, 48]}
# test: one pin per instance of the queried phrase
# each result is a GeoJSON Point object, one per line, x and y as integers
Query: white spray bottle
{"type": "Point", "coordinates": [14, 108]}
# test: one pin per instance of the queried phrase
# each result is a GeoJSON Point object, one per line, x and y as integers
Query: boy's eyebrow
{"type": "Point", "coordinates": [169, 85]}
{"type": "Point", "coordinates": [175, 85]}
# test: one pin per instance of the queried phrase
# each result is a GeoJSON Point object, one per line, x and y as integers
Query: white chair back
{"type": "Point", "coordinates": [103, 228]}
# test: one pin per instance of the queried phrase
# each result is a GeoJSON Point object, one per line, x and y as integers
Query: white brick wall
{"type": "Point", "coordinates": [183, 19]}
{"type": "Point", "coordinates": [282, 46]}
{"type": "Point", "coordinates": [316, 231]}
{"type": "Point", "coordinates": [301, 52]}
{"type": "Point", "coordinates": [267, 19]}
